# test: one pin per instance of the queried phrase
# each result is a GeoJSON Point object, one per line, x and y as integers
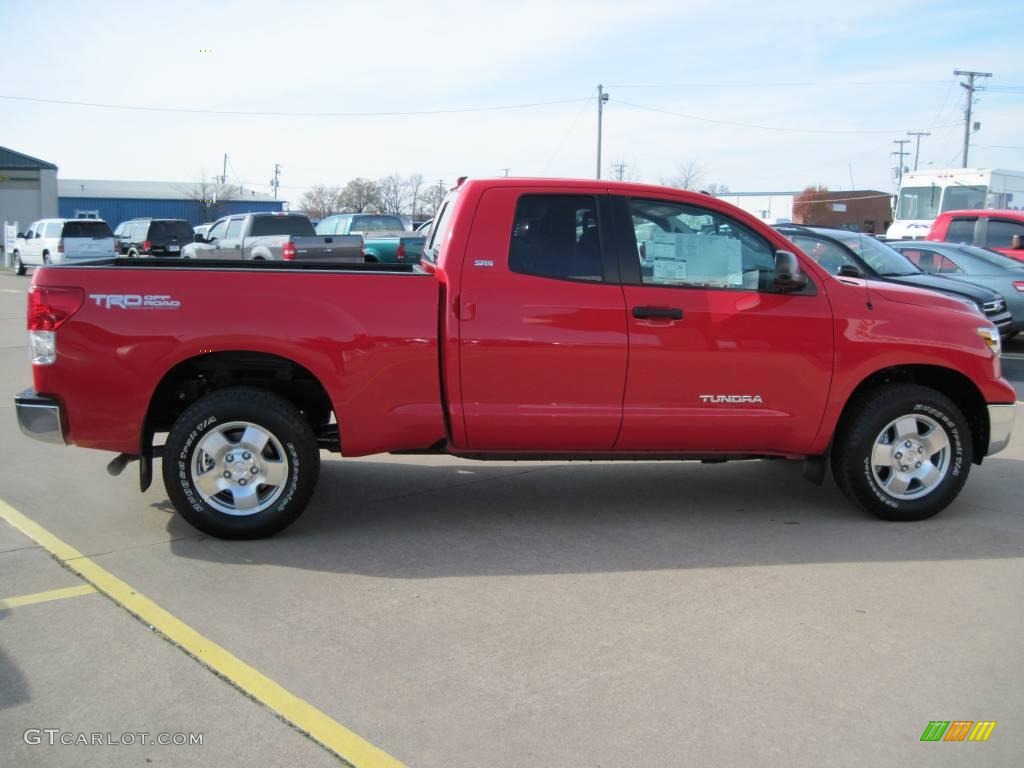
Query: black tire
{"type": "Point", "coordinates": [46, 259]}
{"type": "Point", "coordinates": [132, 254]}
{"type": "Point", "coordinates": [858, 476]}
{"type": "Point", "coordinates": [19, 267]}
{"type": "Point", "coordinates": [287, 428]}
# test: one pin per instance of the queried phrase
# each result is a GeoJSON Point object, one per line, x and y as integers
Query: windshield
{"type": "Point", "coordinates": [884, 260]}
{"type": "Point", "coordinates": [919, 202]}
{"type": "Point", "coordinates": [963, 198]}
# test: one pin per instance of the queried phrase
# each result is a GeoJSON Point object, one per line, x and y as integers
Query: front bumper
{"type": "Point", "coordinates": [39, 417]}
{"type": "Point", "coordinates": [1000, 426]}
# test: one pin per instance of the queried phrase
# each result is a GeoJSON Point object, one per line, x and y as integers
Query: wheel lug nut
{"type": "Point", "coordinates": [226, 473]}
{"type": "Point", "coordinates": [242, 481]}
{"type": "Point", "coordinates": [255, 470]}
{"type": "Point", "coordinates": [903, 468]}
{"type": "Point", "coordinates": [246, 455]}
{"type": "Point", "coordinates": [907, 444]}
{"type": "Point", "coordinates": [899, 455]}
{"type": "Point", "coordinates": [920, 450]}
{"type": "Point", "coordinates": [919, 465]}
{"type": "Point", "coordinates": [229, 458]}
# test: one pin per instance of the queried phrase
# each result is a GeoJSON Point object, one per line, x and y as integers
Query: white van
{"type": "Point", "coordinates": [52, 241]}
{"type": "Point", "coordinates": [926, 194]}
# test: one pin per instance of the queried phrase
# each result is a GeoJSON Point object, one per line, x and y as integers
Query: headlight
{"type": "Point", "coordinates": [991, 338]}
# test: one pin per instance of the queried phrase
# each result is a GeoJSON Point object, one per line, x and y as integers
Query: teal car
{"type": "Point", "coordinates": [385, 238]}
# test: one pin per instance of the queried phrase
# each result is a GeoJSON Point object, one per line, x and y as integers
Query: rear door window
{"type": "Point", "coordinates": [53, 229]}
{"type": "Point", "coordinates": [87, 228]}
{"type": "Point", "coordinates": [557, 236]}
{"type": "Point", "coordinates": [961, 231]}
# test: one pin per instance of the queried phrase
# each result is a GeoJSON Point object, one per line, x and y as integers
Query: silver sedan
{"type": "Point", "coordinates": [971, 264]}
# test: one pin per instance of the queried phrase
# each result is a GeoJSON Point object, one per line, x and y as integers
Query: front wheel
{"type": "Point", "coordinates": [241, 463]}
{"type": "Point", "coordinates": [19, 266]}
{"type": "Point", "coordinates": [903, 453]}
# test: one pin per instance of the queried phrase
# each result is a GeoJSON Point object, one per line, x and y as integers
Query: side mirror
{"type": "Point", "coordinates": [849, 270]}
{"type": "Point", "coordinates": [198, 238]}
{"type": "Point", "coordinates": [1016, 242]}
{"type": "Point", "coordinates": [788, 275]}
{"type": "Point", "coordinates": [21, 235]}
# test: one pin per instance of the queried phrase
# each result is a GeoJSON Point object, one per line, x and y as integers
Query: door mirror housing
{"type": "Point", "coordinates": [849, 270]}
{"type": "Point", "coordinates": [1016, 242]}
{"type": "Point", "coordinates": [788, 275]}
{"type": "Point", "coordinates": [198, 238]}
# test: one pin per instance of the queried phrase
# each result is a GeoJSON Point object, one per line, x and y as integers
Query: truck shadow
{"type": "Point", "coordinates": [393, 519]}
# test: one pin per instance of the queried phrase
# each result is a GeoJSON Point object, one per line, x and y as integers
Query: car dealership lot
{"type": "Point", "coordinates": [465, 614]}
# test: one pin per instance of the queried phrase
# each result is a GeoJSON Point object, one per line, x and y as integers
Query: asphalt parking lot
{"type": "Point", "coordinates": [462, 614]}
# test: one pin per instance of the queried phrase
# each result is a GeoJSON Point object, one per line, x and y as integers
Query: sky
{"type": "Point", "coordinates": [769, 98]}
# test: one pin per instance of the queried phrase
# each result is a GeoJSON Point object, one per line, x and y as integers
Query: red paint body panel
{"type": "Point", "coordinates": [526, 364]}
{"type": "Point", "coordinates": [371, 340]}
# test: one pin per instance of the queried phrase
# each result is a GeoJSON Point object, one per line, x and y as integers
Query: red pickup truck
{"type": "Point", "coordinates": [548, 319]}
{"type": "Point", "coordinates": [998, 230]}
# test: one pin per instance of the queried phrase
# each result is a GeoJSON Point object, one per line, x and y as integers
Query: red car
{"type": "Point", "coordinates": [549, 319]}
{"type": "Point", "coordinates": [1001, 231]}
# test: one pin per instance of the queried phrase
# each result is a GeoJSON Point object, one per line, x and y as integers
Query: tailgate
{"type": "Point", "coordinates": [88, 247]}
{"type": "Point", "coordinates": [336, 248]}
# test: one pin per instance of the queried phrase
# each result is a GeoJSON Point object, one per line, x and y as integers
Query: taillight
{"type": "Point", "coordinates": [288, 252]}
{"type": "Point", "coordinates": [1019, 285]}
{"type": "Point", "coordinates": [60, 245]}
{"type": "Point", "coordinates": [400, 253]}
{"type": "Point", "coordinates": [48, 310]}
{"type": "Point", "coordinates": [145, 245]}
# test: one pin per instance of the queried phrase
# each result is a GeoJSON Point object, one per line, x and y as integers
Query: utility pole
{"type": "Point", "coordinates": [274, 181]}
{"type": "Point", "coordinates": [224, 170]}
{"type": "Point", "coordinates": [917, 149]}
{"type": "Point", "coordinates": [506, 170]}
{"type": "Point", "coordinates": [602, 99]}
{"type": "Point", "coordinates": [969, 87]}
{"type": "Point", "coordinates": [620, 170]}
{"type": "Point", "coordinates": [902, 153]}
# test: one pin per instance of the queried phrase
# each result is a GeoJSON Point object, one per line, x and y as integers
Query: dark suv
{"type": "Point", "coordinates": [855, 254]}
{"type": "Point", "coordinates": [153, 237]}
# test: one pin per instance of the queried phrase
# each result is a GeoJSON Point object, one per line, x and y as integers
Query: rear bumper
{"type": "Point", "coordinates": [1000, 427]}
{"type": "Point", "coordinates": [39, 417]}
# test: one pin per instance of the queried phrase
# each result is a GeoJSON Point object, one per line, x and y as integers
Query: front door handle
{"type": "Point", "coordinates": [668, 313]}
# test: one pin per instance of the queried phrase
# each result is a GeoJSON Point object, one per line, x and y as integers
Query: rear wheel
{"type": "Point", "coordinates": [904, 453]}
{"type": "Point", "coordinates": [132, 253]}
{"type": "Point", "coordinates": [46, 258]}
{"type": "Point", "coordinates": [241, 463]}
{"type": "Point", "coordinates": [19, 267]}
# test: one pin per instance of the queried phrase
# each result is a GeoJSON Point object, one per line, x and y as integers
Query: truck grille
{"type": "Point", "coordinates": [995, 307]}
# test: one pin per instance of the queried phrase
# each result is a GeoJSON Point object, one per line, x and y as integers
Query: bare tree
{"type": "Point", "coordinates": [433, 196]}
{"type": "Point", "coordinates": [210, 196]}
{"type": "Point", "coordinates": [392, 194]}
{"type": "Point", "coordinates": [413, 185]}
{"type": "Point", "coordinates": [717, 189]}
{"type": "Point", "coordinates": [360, 196]}
{"type": "Point", "coordinates": [320, 201]}
{"type": "Point", "coordinates": [688, 175]}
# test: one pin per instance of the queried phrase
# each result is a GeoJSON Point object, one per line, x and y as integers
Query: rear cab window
{"type": "Point", "coordinates": [296, 226]}
{"type": "Point", "coordinates": [961, 230]}
{"type": "Point", "coordinates": [1001, 231]}
{"type": "Point", "coordinates": [376, 224]}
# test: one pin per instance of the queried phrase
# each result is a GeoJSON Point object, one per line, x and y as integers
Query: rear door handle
{"type": "Point", "coordinates": [668, 313]}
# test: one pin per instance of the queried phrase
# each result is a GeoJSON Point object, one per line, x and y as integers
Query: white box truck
{"type": "Point", "coordinates": [926, 194]}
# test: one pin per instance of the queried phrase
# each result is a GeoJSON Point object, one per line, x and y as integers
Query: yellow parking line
{"type": "Point", "coordinates": [333, 735]}
{"type": "Point", "coordinates": [45, 597]}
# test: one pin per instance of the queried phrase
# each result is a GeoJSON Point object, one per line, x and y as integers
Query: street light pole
{"type": "Point", "coordinates": [602, 98]}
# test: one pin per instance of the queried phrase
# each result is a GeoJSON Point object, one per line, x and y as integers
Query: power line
{"type": "Point", "coordinates": [183, 110]}
{"type": "Point", "coordinates": [806, 84]}
{"type": "Point", "coordinates": [558, 149]}
{"type": "Point", "coordinates": [760, 127]}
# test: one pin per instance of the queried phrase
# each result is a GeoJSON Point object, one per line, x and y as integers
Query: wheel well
{"type": "Point", "coordinates": [198, 376]}
{"type": "Point", "coordinates": [953, 384]}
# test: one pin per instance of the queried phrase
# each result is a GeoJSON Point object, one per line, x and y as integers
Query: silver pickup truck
{"type": "Point", "coordinates": [273, 237]}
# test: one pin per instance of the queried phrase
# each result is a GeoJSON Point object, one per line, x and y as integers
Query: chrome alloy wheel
{"type": "Point", "coordinates": [911, 456]}
{"type": "Point", "coordinates": [239, 468]}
